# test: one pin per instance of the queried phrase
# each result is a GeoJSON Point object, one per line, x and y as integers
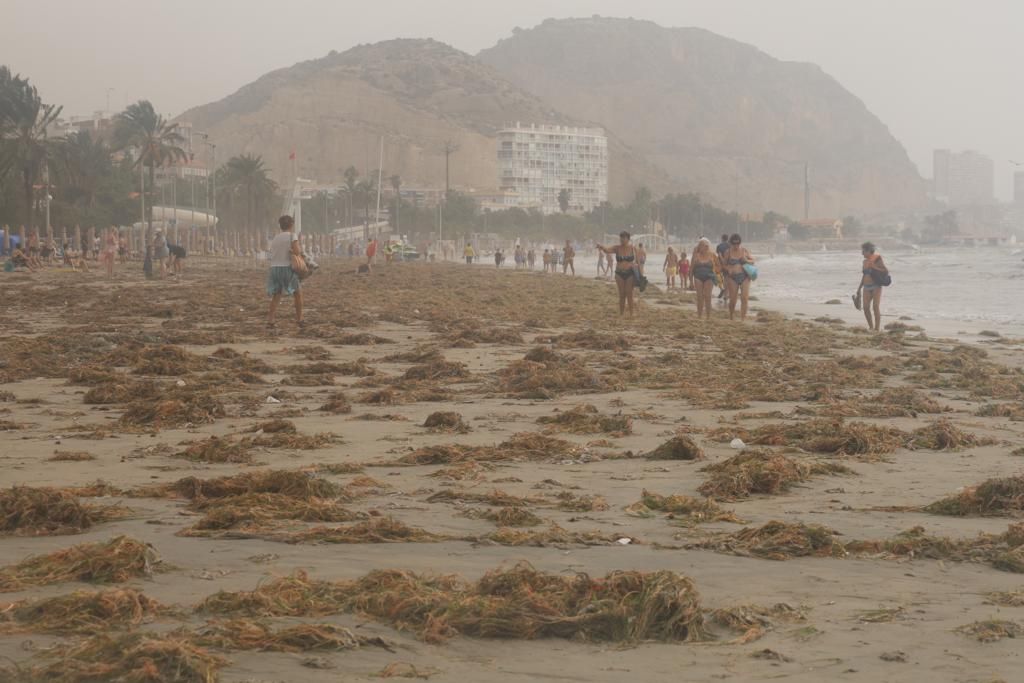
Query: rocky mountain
{"type": "Point", "coordinates": [719, 116]}
{"type": "Point", "coordinates": [418, 94]}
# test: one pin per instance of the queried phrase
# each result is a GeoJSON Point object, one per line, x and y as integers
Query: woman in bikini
{"type": "Point", "coordinates": [670, 267]}
{"type": "Point", "coordinates": [703, 270]}
{"type": "Point", "coordinates": [872, 272]}
{"type": "Point", "coordinates": [736, 279]}
{"type": "Point", "coordinates": [685, 278]}
{"type": "Point", "coordinates": [625, 270]}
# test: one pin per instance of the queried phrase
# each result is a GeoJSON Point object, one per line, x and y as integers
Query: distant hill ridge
{"type": "Point", "coordinates": [679, 105]}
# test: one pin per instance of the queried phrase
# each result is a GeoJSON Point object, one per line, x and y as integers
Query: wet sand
{"type": "Point", "coordinates": [457, 310]}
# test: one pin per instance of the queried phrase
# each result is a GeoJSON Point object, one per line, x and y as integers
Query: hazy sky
{"type": "Point", "coordinates": [939, 73]}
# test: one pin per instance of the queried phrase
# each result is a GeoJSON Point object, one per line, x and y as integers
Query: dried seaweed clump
{"type": "Point", "coordinates": [336, 404]}
{"type": "Point", "coordinates": [28, 511]}
{"type": "Point", "coordinates": [1010, 411]}
{"type": "Point", "coordinates": [822, 436]}
{"type": "Point", "coordinates": [217, 449]}
{"type": "Point", "coordinates": [753, 621]}
{"type": "Point", "coordinates": [761, 471]}
{"type": "Point", "coordinates": [446, 422]}
{"type": "Point", "coordinates": [70, 456]}
{"type": "Point", "coordinates": [777, 541]}
{"type": "Point", "coordinates": [679, 447]}
{"type": "Point", "coordinates": [113, 561]}
{"type": "Point", "coordinates": [595, 341]}
{"type": "Point", "coordinates": [128, 658]}
{"type": "Point", "coordinates": [992, 630]}
{"type": "Point", "coordinates": [523, 446]}
{"type": "Point", "coordinates": [188, 408]}
{"type": "Point", "coordinates": [435, 370]}
{"type": "Point", "coordinates": [586, 419]}
{"type": "Point", "coordinates": [573, 503]}
{"type": "Point", "coordinates": [80, 612]}
{"type": "Point", "coordinates": [121, 392]}
{"type": "Point", "coordinates": [293, 483]}
{"type": "Point", "coordinates": [167, 360]}
{"type": "Point", "coordinates": [993, 497]}
{"type": "Point", "coordinates": [247, 634]}
{"type": "Point", "coordinates": [942, 435]}
{"type": "Point", "coordinates": [296, 595]}
{"type": "Point", "coordinates": [890, 402]}
{"type": "Point", "coordinates": [552, 537]}
{"type": "Point", "coordinates": [692, 509]}
{"type": "Point", "coordinates": [523, 603]}
{"type": "Point", "coordinates": [261, 511]}
{"type": "Point", "coordinates": [551, 378]}
{"type": "Point", "coordinates": [506, 516]}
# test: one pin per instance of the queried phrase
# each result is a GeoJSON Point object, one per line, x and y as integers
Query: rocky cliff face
{"type": "Point", "coordinates": [719, 116]}
{"type": "Point", "coordinates": [417, 94]}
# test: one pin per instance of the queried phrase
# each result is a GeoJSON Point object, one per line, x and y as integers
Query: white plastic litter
{"type": "Point", "coordinates": [271, 399]}
{"type": "Point", "coordinates": [624, 541]}
{"type": "Point", "coordinates": [180, 383]}
{"type": "Point", "coordinates": [737, 444]}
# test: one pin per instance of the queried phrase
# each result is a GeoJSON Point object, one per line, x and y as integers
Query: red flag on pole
{"type": "Point", "coordinates": [292, 156]}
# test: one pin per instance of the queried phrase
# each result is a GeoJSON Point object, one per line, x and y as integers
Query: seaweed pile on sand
{"type": "Point", "coordinates": [777, 541]}
{"type": "Point", "coordinates": [522, 447]}
{"type": "Point", "coordinates": [679, 447]}
{"type": "Point", "coordinates": [889, 402]}
{"type": "Point", "coordinates": [993, 497]}
{"type": "Point", "coordinates": [29, 511]}
{"type": "Point", "coordinates": [837, 437]}
{"type": "Point", "coordinates": [446, 422]}
{"type": "Point", "coordinates": [127, 657]}
{"type": "Point", "coordinates": [684, 508]}
{"type": "Point", "coordinates": [586, 419]}
{"type": "Point", "coordinates": [517, 602]}
{"type": "Point", "coordinates": [551, 376]}
{"type": "Point", "coordinates": [761, 471]}
{"type": "Point", "coordinates": [81, 612]}
{"type": "Point", "coordinates": [250, 634]}
{"type": "Point", "coordinates": [114, 561]}
{"type": "Point", "coordinates": [943, 435]}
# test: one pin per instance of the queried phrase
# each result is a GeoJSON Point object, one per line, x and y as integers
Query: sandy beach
{"type": "Point", "coordinates": [846, 541]}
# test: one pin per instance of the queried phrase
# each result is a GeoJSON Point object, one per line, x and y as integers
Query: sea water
{"type": "Point", "coordinates": [982, 285]}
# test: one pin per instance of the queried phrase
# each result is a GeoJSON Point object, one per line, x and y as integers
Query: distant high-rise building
{"type": "Point", "coordinates": [963, 177]}
{"type": "Point", "coordinates": [1018, 188]}
{"type": "Point", "coordinates": [537, 162]}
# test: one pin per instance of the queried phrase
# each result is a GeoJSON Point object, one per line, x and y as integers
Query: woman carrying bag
{"type": "Point", "coordinates": [874, 276]}
{"type": "Point", "coordinates": [286, 265]}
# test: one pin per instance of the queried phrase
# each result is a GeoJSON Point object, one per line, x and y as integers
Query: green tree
{"type": "Point", "coordinates": [563, 200]}
{"type": "Point", "coordinates": [157, 141]}
{"type": "Point", "coordinates": [366, 191]}
{"type": "Point", "coordinates": [246, 176]}
{"type": "Point", "coordinates": [798, 231]}
{"type": "Point", "coordinates": [26, 146]}
{"type": "Point", "coordinates": [852, 227]}
{"type": "Point", "coordinates": [83, 164]}
{"type": "Point", "coordinates": [351, 175]}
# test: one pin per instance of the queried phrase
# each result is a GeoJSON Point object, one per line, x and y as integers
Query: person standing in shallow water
{"type": "Point", "coordinates": [873, 270]}
{"type": "Point", "coordinates": [670, 267]}
{"type": "Point", "coordinates": [282, 280]}
{"type": "Point", "coordinates": [568, 258]}
{"type": "Point", "coordinates": [625, 270]}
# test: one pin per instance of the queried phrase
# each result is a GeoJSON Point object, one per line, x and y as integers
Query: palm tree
{"type": "Point", "coordinates": [366, 189]}
{"type": "Point", "coordinates": [158, 141]}
{"type": "Point", "coordinates": [82, 165]}
{"type": "Point", "coordinates": [351, 185]}
{"type": "Point", "coordinates": [247, 174]}
{"type": "Point", "coordinates": [25, 120]}
{"type": "Point", "coordinates": [396, 185]}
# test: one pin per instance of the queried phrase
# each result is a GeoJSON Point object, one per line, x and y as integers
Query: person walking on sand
{"type": "Point", "coordinates": [547, 260]}
{"type": "Point", "coordinates": [685, 276]}
{"type": "Point", "coordinates": [703, 270]}
{"type": "Point", "coordinates": [600, 263]}
{"type": "Point", "coordinates": [531, 258]}
{"type": "Point", "coordinates": [874, 276]}
{"type": "Point", "coordinates": [568, 258]}
{"type": "Point", "coordinates": [670, 266]}
{"type": "Point", "coordinates": [282, 279]}
{"type": "Point", "coordinates": [736, 278]}
{"type": "Point", "coordinates": [720, 250]}
{"type": "Point", "coordinates": [641, 257]}
{"type": "Point", "coordinates": [160, 251]}
{"type": "Point", "coordinates": [610, 268]}
{"type": "Point", "coordinates": [469, 254]}
{"type": "Point", "coordinates": [371, 252]}
{"type": "Point", "coordinates": [625, 270]}
{"type": "Point", "coordinates": [109, 252]}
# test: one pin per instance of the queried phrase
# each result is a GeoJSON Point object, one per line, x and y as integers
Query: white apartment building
{"type": "Point", "coordinates": [537, 162]}
{"type": "Point", "coordinates": [963, 178]}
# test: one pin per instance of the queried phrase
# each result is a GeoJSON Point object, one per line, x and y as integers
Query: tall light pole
{"type": "Point", "coordinates": [212, 171]}
{"type": "Point", "coordinates": [450, 147]}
